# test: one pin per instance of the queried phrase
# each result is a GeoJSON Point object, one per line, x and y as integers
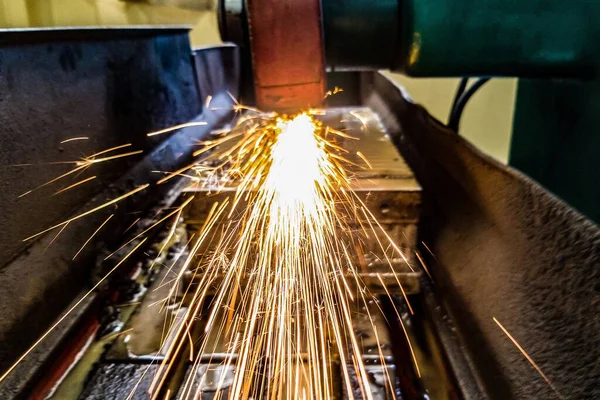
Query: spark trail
{"type": "Point", "coordinates": [283, 267]}
{"type": "Point", "coordinates": [283, 261]}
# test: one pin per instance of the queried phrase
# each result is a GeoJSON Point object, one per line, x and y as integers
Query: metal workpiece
{"type": "Point", "coordinates": [382, 181]}
{"type": "Point", "coordinates": [385, 184]}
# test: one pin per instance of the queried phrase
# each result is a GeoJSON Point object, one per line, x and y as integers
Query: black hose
{"type": "Point", "coordinates": [461, 103]}
{"type": "Point", "coordinates": [459, 92]}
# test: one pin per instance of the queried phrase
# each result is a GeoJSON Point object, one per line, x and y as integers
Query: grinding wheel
{"type": "Point", "coordinates": [286, 41]}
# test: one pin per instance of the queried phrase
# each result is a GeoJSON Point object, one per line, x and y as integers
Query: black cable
{"type": "Point", "coordinates": [459, 92]}
{"type": "Point", "coordinates": [459, 107]}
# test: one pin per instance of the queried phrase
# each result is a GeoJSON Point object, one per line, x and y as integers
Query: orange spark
{"type": "Point", "coordinates": [74, 139]}
{"type": "Point", "coordinates": [533, 363]}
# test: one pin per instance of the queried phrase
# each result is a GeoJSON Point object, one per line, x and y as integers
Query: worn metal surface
{"type": "Point", "coordinates": [376, 346]}
{"type": "Point", "coordinates": [39, 283]}
{"type": "Point", "coordinates": [434, 379]}
{"type": "Point", "coordinates": [146, 340]}
{"type": "Point", "coordinates": [376, 353]}
{"type": "Point", "coordinates": [287, 53]}
{"type": "Point", "coordinates": [384, 183]}
{"type": "Point", "coordinates": [117, 381]}
{"type": "Point", "coordinates": [506, 248]}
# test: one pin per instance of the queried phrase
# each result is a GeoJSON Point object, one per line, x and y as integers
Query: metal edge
{"type": "Point", "coordinates": [20, 36]}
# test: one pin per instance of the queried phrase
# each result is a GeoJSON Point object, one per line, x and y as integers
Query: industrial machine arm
{"type": "Point", "coordinates": [292, 41]}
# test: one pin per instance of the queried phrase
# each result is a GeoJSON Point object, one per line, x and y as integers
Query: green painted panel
{"type": "Point", "coordinates": [360, 33]}
{"type": "Point", "coordinates": [499, 37]}
{"type": "Point", "coordinates": [535, 38]}
{"type": "Point", "coordinates": [556, 139]}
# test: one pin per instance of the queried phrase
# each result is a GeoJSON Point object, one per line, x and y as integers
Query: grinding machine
{"type": "Point", "coordinates": [483, 240]}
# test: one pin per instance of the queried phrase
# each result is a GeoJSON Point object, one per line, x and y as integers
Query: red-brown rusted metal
{"type": "Point", "coordinates": [287, 53]}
